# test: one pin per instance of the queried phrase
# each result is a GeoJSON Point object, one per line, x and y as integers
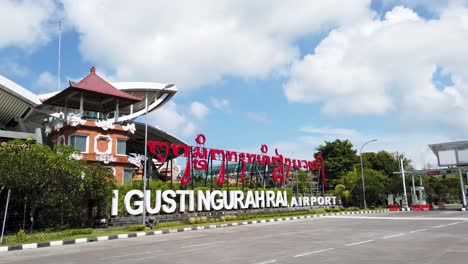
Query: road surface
{"type": "Point", "coordinates": [391, 237]}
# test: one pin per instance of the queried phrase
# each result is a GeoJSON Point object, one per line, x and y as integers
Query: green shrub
{"type": "Point", "coordinates": [74, 232]}
{"type": "Point", "coordinates": [170, 224]}
{"type": "Point", "coordinates": [230, 217]}
{"type": "Point", "coordinates": [134, 228]}
{"type": "Point", "coordinates": [319, 211]}
{"type": "Point", "coordinates": [20, 237]}
{"type": "Point", "coordinates": [192, 220]}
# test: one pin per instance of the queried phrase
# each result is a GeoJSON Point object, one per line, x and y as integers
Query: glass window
{"type": "Point", "coordinates": [79, 142]}
{"type": "Point", "coordinates": [121, 146]}
{"type": "Point", "coordinates": [128, 176]}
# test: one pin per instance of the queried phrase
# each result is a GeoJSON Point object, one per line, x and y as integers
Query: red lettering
{"type": "Point", "coordinates": [155, 146]}
{"type": "Point", "coordinates": [176, 148]}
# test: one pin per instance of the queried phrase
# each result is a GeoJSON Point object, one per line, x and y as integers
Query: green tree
{"type": "Point", "coordinates": [342, 193]}
{"type": "Point", "coordinates": [385, 162]}
{"type": "Point", "coordinates": [375, 187]}
{"type": "Point", "coordinates": [304, 182]}
{"type": "Point", "coordinates": [339, 156]}
{"type": "Point", "coordinates": [51, 182]}
{"type": "Point", "coordinates": [442, 189]}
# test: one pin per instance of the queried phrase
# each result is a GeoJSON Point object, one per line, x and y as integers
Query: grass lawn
{"type": "Point", "coordinates": [43, 236]}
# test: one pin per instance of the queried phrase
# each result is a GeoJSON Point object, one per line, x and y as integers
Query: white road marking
{"type": "Point", "coordinates": [454, 223]}
{"type": "Point", "coordinates": [358, 243]}
{"type": "Point", "coordinates": [313, 252]}
{"type": "Point", "coordinates": [268, 261]}
{"type": "Point", "coordinates": [420, 230]}
{"type": "Point", "coordinates": [439, 226]}
{"type": "Point", "coordinates": [449, 212]}
{"type": "Point", "coordinates": [400, 218]}
{"type": "Point", "coordinates": [397, 235]}
{"type": "Point", "coordinates": [129, 255]}
{"type": "Point", "coordinates": [204, 244]}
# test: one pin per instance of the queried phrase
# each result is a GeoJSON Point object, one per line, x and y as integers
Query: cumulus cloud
{"type": "Point", "coordinates": [387, 66]}
{"type": "Point", "coordinates": [414, 146]}
{"type": "Point", "coordinates": [171, 118]}
{"type": "Point", "coordinates": [221, 104]}
{"type": "Point", "coordinates": [8, 67]}
{"type": "Point", "coordinates": [433, 7]}
{"type": "Point", "coordinates": [193, 43]}
{"type": "Point", "coordinates": [198, 110]}
{"type": "Point", "coordinates": [329, 131]}
{"type": "Point", "coordinates": [47, 81]}
{"type": "Point", "coordinates": [26, 24]}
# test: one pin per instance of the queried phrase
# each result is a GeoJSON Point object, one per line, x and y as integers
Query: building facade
{"type": "Point", "coordinates": [94, 116]}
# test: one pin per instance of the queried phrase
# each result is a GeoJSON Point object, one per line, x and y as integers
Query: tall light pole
{"type": "Point", "coordinates": [146, 147]}
{"type": "Point", "coordinates": [362, 173]}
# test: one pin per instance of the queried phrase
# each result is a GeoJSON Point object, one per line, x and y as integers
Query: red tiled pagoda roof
{"type": "Point", "coordinates": [99, 94]}
{"type": "Point", "coordinates": [94, 83]}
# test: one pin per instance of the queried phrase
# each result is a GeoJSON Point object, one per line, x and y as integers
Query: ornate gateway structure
{"type": "Point", "coordinates": [96, 117]}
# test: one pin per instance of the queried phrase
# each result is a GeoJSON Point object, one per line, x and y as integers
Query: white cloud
{"type": "Point", "coordinates": [221, 104]}
{"type": "Point", "coordinates": [413, 145]}
{"type": "Point", "coordinates": [171, 118]}
{"type": "Point", "coordinates": [198, 110]}
{"type": "Point", "coordinates": [432, 6]}
{"type": "Point", "coordinates": [193, 43]}
{"type": "Point", "coordinates": [47, 81]}
{"type": "Point", "coordinates": [9, 67]}
{"type": "Point", "coordinates": [258, 117]}
{"type": "Point", "coordinates": [27, 23]}
{"type": "Point", "coordinates": [386, 66]}
{"type": "Point", "coordinates": [329, 131]}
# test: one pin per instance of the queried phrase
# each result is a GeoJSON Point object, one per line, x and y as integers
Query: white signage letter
{"type": "Point", "coordinates": [217, 200]}
{"type": "Point", "coordinates": [182, 194]}
{"type": "Point", "coordinates": [203, 201]}
{"type": "Point", "coordinates": [157, 205]}
{"type": "Point", "coordinates": [138, 204]}
{"type": "Point", "coordinates": [115, 203]}
{"type": "Point", "coordinates": [168, 197]}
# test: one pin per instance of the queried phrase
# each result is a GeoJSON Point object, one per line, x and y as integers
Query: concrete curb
{"type": "Point", "coordinates": [168, 231]}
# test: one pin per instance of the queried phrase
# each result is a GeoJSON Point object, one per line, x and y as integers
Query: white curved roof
{"type": "Point", "coordinates": [15, 101]}
{"type": "Point", "coordinates": [18, 91]}
{"type": "Point", "coordinates": [158, 94]}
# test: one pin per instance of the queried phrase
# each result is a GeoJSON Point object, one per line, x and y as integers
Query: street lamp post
{"type": "Point", "coordinates": [146, 147]}
{"type": "Point", "coordinates": [362, 173]}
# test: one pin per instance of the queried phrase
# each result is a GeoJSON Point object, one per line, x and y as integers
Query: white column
{"type": "Point", "coordinates": [405, 199]}
{"type": "Point", "coordinates": [462, 188]}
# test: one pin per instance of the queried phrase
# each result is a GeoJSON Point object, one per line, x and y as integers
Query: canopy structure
{"type": "Point", "coordinates": [451, 153]}
{"type": "Point", "coordinates": [137, 142]}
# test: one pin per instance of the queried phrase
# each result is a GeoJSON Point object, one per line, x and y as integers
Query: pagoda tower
{"type": "Point", "coordinates": [89, 121]}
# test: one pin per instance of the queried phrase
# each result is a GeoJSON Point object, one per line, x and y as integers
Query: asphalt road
{"type": "Point", "coordinates": [393, 237]}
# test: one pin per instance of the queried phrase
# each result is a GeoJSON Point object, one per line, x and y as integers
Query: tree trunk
{"type": "Point", "coordinates": [31, 216]}
{"type": "Point", "coordinates": [90, 213]}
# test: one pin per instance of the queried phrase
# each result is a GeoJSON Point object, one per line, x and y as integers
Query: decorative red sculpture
{"type": "Point", "coordinates": [197, 158]}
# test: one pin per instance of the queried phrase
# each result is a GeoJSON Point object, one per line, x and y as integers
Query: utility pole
{"type": "Point", "coordinates": [4, 218]}
{"type": "Point", "coordinates": [405, 199]}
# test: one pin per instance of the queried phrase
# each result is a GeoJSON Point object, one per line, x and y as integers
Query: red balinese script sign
{"type": "Point", "coordinates": [200, 155]}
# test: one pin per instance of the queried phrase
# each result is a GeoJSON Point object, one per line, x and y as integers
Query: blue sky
{"type": "Point", "coordinates": [264, 72]}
